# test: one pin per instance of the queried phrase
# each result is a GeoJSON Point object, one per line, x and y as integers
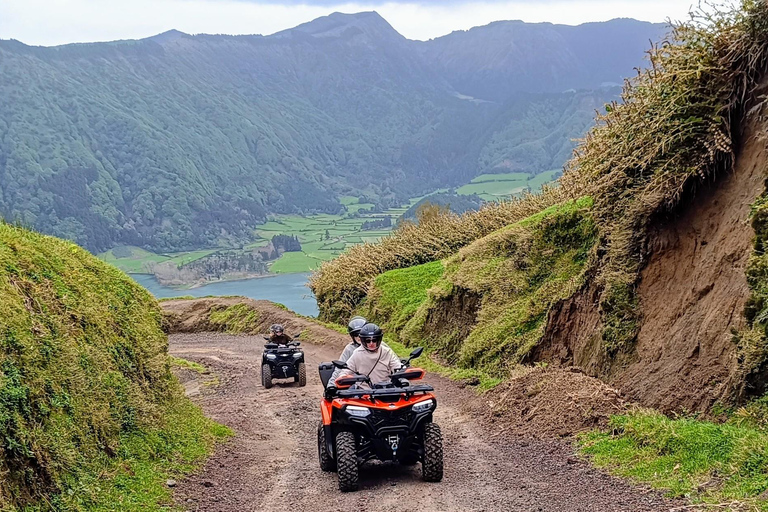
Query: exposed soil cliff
{"type": "Point", "coordinates": [692, 294]}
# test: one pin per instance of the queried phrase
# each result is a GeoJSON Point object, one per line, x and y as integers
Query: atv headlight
{"type": "Point", "coordinates": [423, 406]}
{"type": "Point", "coordinates": [359, 412]}
{"type": "Point", "coordinates": [271, 357]}
{"type": "Point", "coordinates": [297, 355]}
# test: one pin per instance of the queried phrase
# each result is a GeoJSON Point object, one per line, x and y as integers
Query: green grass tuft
{"type": "Point", "coordinates": [707, 462]}
{"type": "Point", "coordinates": [235, 319]}
{"type": "Point", "coordinates": [397, 294]}
{"type": "Point", "coordinates": [191, 365]}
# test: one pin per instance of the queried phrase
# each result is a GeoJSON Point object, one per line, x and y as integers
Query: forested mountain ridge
{"type": "Point", "coordinates": [179, 141]}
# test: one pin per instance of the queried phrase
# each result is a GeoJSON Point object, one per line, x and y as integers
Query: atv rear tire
{"type": "Point", "coordinates": [346, 461]}
{"type": "Point", "coordinates": [326, 462]}
{"type": "Point", "coordinates": [432, 465]}
{"type": "Point", "coordinates": [301, 378]}
{"type": "Point", "coordinates": [266, 376]}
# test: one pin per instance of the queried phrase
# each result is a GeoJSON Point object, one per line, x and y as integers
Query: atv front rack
{"type": "Point", "coordinates": [384, 392]}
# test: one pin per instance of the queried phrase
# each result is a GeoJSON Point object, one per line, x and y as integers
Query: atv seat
{"type": "Point", "coordinates": [326, 370]}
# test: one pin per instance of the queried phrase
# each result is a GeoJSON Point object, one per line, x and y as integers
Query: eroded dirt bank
{"type": "Point", "coordinates": [271, 464]}
{"type": "Point", "coordinates": [692, 294]}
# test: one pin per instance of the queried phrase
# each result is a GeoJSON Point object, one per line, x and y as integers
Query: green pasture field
{"type": "Point", "coordinates": [133, 259]}
{"type": "Point", "coordinates": [492, 187]}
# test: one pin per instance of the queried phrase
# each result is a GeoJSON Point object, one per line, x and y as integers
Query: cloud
{"type": "Point", "coordinates": [50, 22]}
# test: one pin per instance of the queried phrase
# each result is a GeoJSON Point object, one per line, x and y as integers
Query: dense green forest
{"type": "Point", "coordinates": [178, 142]}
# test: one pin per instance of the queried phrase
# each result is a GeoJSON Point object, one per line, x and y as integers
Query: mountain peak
{"type": "Point", "coordinates": [339, 24]}
{"type": "Point", "coordinates": [169, 35]}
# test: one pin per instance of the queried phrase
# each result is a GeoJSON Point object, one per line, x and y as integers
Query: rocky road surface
{"type": "Point", "coordinates": [271, 463]}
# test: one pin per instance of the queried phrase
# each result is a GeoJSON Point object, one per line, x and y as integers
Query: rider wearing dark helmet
{"type": "Point", "coordinates": [353, 328]}
{"type": "Point", "coordinates": [277, 335]}
{"type": "Point", "coordinates": [372, 358]}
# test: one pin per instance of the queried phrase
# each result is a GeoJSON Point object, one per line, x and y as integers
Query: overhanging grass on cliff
{"type": "Point", "coordinates": [678, 125]}
{"type": "Point", "coordinates": [84, 369]}
{"type": "Point", "coordinates": [518, 271]}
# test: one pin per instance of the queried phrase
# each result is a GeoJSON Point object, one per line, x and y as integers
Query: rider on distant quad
{"type": "Point", "coordinates": [277, 335]}
{"type": "Point", "coordinates": [373, 359]}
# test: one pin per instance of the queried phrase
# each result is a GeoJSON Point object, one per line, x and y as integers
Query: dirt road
{"type": "Point", "coordinates": [271, 464]}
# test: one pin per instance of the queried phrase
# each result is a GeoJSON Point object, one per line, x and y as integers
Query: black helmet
{"type": "Point", "coordinates": [276, 329]}
{"type": "Point", "coordinates": [355, 325]}
{"type": "Point", "coordinates": [369, 333]}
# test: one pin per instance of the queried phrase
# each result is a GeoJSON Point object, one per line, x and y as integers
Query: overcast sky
{"type": "Point", "coordinates": [51, 22]}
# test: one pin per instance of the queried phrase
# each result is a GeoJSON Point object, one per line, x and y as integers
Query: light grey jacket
{"type": "Point", "coordinates": [345, 355]}
{"type": "Point", "coordinates": [376, 365]}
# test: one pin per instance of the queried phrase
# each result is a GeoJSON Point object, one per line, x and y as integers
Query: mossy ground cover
{"type": "Point", "coordinates": [90, 412]}
{"type": "Point", "coordinates": [721, 464]}
{"type": "Point", "coordinates": [134, 479]}
{"type": "Point", "coordinates": [235, 319]}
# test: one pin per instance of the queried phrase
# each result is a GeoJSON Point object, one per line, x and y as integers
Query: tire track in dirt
{"type": "Point", "coordinates": [271, 463]}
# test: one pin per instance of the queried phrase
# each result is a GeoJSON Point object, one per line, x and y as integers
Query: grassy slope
{"type": "Point", "coordinates": [90, 415]}
{"type": "Point", "coordinates": [516, 296]}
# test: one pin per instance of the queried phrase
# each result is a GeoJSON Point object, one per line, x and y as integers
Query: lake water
{"type": "Point", "coordinates": [288, 289]}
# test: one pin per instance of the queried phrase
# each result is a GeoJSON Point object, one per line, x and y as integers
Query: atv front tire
{"type": "Point", "coordinates": [266, 376]}
{"type": "Point", "coordinates": [326, 462]}
{"type": "Point", "coordinates": [346, 461]}
{"type": "Point", "coordinates": [301, 378]}
{"type": "Point", "coordinates": [432, 465]}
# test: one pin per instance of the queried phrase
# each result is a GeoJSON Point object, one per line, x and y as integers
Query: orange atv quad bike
{"type": "Point", "coordinates": [390, 421]}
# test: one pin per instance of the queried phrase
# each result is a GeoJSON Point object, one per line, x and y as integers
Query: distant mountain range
{"type": "Point", "coordinates": [180, 141]}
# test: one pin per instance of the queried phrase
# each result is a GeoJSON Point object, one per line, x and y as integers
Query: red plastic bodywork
{"type": "Point", "coordinates": [327, 406]}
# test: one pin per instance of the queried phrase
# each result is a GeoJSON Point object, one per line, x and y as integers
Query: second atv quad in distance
{"type": "Point", "coordinates": [283, 362]}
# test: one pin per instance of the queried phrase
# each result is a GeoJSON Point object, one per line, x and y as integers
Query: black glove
{"type": "Point", "coordinates": [330, 392]}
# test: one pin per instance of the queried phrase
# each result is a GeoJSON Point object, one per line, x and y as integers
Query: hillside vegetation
{"type": "Point", "coordinates": [180, 142]}
{"type": "Point", "coordinates": [676, 129]}
{"type": "Point", "coordinates": [91, 417]}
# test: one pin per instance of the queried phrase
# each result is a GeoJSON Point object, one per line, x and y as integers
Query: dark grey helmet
{"type": "Point", "coordinates": [354, 326]}
{"type": "Point", "coordinates": [371, 333]}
